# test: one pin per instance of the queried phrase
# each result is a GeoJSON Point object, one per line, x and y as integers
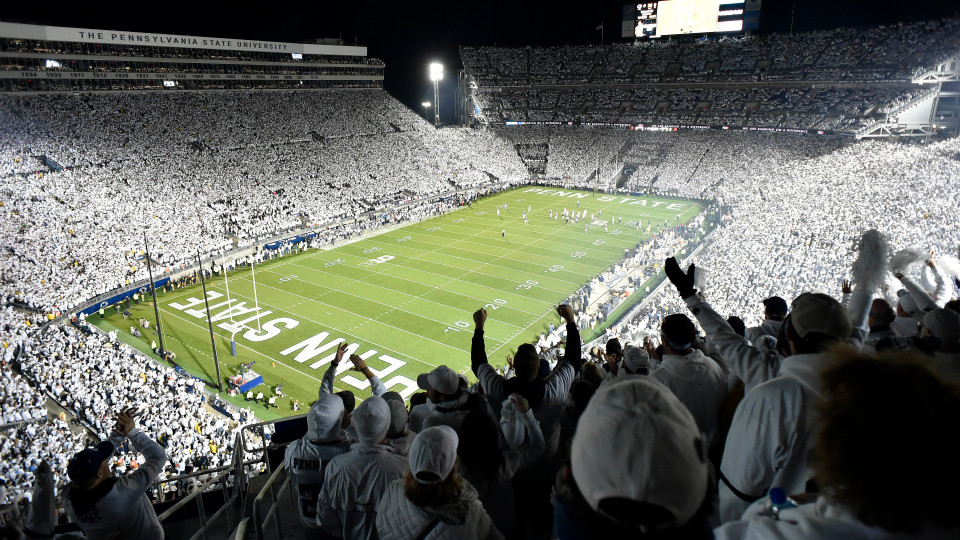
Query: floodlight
{"type": "Point", "coordinates": [436, 72]}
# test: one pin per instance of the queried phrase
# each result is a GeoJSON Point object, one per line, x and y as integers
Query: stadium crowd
{"type": "Point", "coordinates": [677, 426]}
{"type": "Point", "coordinates": [839, 80]}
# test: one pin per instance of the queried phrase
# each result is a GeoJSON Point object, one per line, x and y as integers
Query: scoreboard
{"type": "Point", "coordinates": [659, 18]}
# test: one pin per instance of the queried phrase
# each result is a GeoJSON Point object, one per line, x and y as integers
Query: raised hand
{"type": "Point", "coordinates": [683, 281]}
{"type": "Point", "coordinates": [125, 421]}
{"type": "Point", "coordinates": [358, 363]}
{"type": "Point", "coordinates": [480, 317]}
{"type": "Point", "coordinates": [341, 350]}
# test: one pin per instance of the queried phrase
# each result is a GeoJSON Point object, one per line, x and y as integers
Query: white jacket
{"type": "Point", "coordinates": [749, 364]}
{"type": "Point", "coordinates": [768, 327]}
{"type": "Point", "coordinates": [820, 519]}
{"type": "Point", "coordinates": [463, 519]}
{"type": "Point", "coordinates": [771, 433]}
{"type": "Point", "coordinates": [699, 383]}
{"type": "Point", "coordinates": [306, 462]}
{"type": "Point", "coordinates": [352, 486]}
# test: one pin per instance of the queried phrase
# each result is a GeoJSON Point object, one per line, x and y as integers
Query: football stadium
{"type": "Point", "coordinates": [698, 280]}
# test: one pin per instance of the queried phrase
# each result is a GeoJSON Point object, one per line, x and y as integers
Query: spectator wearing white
{"type": "Point", "coordinates": [874, 412]}
{"type": "Point", "coordinates": [106, 506]}
{"type": "Point", "coordinates": [453, 402]}
{"type": "Point", "coordinates": [697, 380]}
{"type": "Point", "coordinates": [774, 312]}
{"type": "Point", "coordinates": [432, 501]}
{"type": "Point", "coordinates": [652, 477]}
{"type": "Point", "coordinates": [634, 361]}
{"type": "Point", "coordinates": [306, 459]}
{"type": "Point", "coordinates": [354, 482]}
{"type": "Point", "coordinates": [905, 325]}
{"type": "Point", "coordinates": [399, 438]}
{"type": "Point", "coordinates": [915, 302]}
{"type": "Point", "coordinates": [879, 319]}
{"type": "Point", "coordinates": [773, 430]}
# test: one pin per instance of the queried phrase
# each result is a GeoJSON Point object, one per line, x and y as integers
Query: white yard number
{"type": "Point", "coordinates": [554, 268]}
{"type": "Point", "coordinates": [482, 212]}
{"type": "Point", "coordinates": [333, 263]}
{"type": "Point", "coordinates": [578, 254]}
{"type": "Point", "coordinates": [599, 242]}
{"type": "Point", "coordinates": [287, 278]}
{"type": "Point", "coordinates": [458, 221]}
{"type": "Point", "coordinates": [527, 284]}
{"type": "Point", "coordinates": [497, 302]}
{"type": "Point", "coordinates": [615, 232]}
{"type": "Point", "coordinates": [371, 250]}
{"type": "Point", "coordinates": [457, 326]}
{"type": "Point", "coordinates": [433, 229]}
{"type": "Point", "coordinates": [374, 262]}
{"type": "Point", "coordinates": [404, 239]}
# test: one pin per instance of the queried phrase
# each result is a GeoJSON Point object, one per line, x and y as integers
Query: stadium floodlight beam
{"type": "Point", "coordinates": [426, 105]}
{"type": "Point", "coordinates": [436, 75]}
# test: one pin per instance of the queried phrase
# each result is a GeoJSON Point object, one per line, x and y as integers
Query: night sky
{"type": "Point", "coordinates": [409, 35]}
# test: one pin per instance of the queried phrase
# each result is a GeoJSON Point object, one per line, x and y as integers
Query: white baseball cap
{"type": "Point", "coordinates": [635, 358]}
{"type": "Point", "coordinates": [433, 454]}
{"type": "Point", "coordinates": [652, 451]}
{"type": "Point", "coordinates": [372, 419]}
{"type": "Point", "coordinates": [442, 379]}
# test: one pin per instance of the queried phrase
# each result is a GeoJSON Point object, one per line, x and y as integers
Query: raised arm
{"type": "Point", "coordinates": [154, 455]}
{"type": "Point", "coordinates": [326, 384]}
{"type": "Point", "coordinates": [748, 363]}
{"type": "Point", "coordinates": [493, 383]}
{"type": "Point", "coordinates": [478, 353]}
{"type": "Point", "coordinates": [572, 354]}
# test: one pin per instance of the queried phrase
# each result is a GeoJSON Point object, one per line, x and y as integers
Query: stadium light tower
{"type": "Point", "coordinates": [426, 105]}
{"type": "Point", "coordinates": [436, 75]}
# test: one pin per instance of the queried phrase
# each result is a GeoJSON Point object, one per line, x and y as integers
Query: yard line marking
{"type": "Point", "coordinates": [412, 297]}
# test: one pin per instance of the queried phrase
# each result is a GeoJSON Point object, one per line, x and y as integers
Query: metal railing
{"type": "Point", "coordinates": [261, 516]}
{"type": "Point", "coordinates": [231, 494]}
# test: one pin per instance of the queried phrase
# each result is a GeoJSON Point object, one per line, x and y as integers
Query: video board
{"type": "Point", "coordinates": [661, 18]}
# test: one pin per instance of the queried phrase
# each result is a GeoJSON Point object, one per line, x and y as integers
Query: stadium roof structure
{"type": "Point", "coordinates": [56, 58]}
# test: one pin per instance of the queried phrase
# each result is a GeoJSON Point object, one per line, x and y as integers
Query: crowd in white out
{"type": "Point", "coordinates": [836, 109]}
{"type": "Point", "coordinates": [844, 54]}
{"type": "Point", "coordinates": [91, 375]}
{"type": "Point", "coordinates": [797, 205]}
{"type": "Point", "coordinates": [777, 80]}
{"type": "Point", "coordinates": [270, 162]}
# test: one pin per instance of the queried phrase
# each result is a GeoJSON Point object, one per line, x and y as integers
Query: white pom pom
{"type": "Point", "coordinates": [906, 258]}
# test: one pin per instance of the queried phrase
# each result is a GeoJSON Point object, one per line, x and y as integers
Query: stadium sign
{"type": "Point", "coordinates": [116, 37]}
{"type": "Point", "coordinates": [309, 349]}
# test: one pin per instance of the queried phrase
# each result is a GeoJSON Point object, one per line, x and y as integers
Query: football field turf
{"type": "Point", "coordinates": [403, 300]}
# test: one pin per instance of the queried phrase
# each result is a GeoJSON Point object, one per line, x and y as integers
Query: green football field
{"type": "Point", "coordinates": [403, 300]}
